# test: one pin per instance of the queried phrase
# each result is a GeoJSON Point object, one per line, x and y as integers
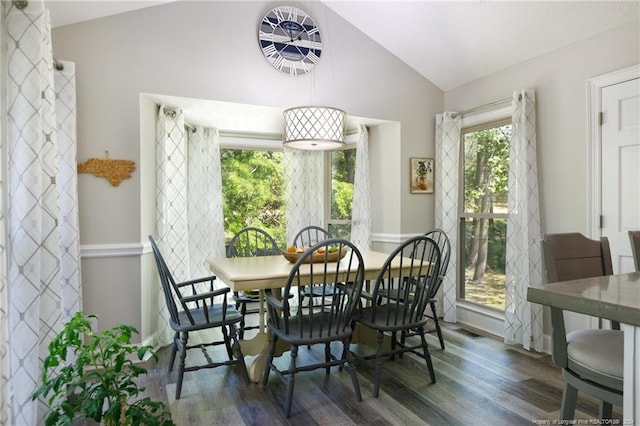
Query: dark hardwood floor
{"type": "Point", "coordinates": [480, 381]}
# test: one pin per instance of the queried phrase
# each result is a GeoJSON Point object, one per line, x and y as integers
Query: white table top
{"type": "Point", "coordinates": [614, 297]}
{"type": "Point", "coordinates": [260, 272]}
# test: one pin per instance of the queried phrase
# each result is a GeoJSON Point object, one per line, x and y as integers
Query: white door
{"type": "Point", "coordinates": [621, 169]}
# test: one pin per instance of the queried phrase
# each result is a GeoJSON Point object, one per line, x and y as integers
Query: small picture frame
{"type": "Point", "coordinates": [422, 173]}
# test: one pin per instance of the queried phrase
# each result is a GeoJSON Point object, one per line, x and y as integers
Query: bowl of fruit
{"type": "Point", "coordinates": [332, 254]}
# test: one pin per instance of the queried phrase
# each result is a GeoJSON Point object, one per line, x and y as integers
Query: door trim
{"type": "Point", "coordinates": [594, 134]}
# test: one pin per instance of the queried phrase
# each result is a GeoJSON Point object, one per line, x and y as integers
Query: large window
{"type": "Point", "coordinates": [483, 219]}
{"type": "Point", "coordinates": [253, 191]}
{"type": "Point", "coordinates": [341, 172]}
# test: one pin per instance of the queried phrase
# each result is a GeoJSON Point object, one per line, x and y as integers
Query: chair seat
{"type": "Point", "coordinates": [597, 351]}
{"type": "Point", "coordinates": [316, 291]}
{"type": "Point", "coordinates": [200, 322]}
{"type": "Point", "coordinates": [381, 322]}
{"type": "Point", "coordinates": [319, 328]}
{"type": "Point", "coordinates": [247, 297]}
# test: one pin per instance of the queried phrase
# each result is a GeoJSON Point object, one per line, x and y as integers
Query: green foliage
{"type": "Point", "coordinates": [486, 169]}
{"type": "Point", "coordinates": [253, 195]}
{"type": "Point", "coordinates": [342, 200]}
{"type": "Point", "coordinates": [93, 375]}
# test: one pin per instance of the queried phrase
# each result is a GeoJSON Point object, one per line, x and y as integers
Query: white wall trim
{"type": "Point", "coordinates": [391, 238]}
{"type": "Point", "coordinates": [114, 250]}
{"type": "Point", "coordinates": [480, 317]}
{"type": "Point", "coordinates": [594, 167]}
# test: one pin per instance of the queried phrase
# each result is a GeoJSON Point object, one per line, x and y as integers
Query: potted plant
{"type": "Point", "coordinates": [422, 171]}
{"type": "Point", "coordinates": [92, 375]}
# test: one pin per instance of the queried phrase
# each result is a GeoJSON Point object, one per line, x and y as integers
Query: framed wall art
{"type": "Point", "coordinates": [422, 174]}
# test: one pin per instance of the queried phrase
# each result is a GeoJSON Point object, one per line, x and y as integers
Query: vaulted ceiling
{"type": "Point", "coordinates": [448, 42]}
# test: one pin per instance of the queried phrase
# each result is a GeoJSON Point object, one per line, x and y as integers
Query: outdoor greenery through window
{"type": "Point", "coordinates": [343, 166]}
{"type": "Point", "coordinates": [483, 219]}
{"type": "Point", "coordinates": [253, 192]}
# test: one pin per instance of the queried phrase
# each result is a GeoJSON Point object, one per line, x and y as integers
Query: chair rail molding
{"type": "Point", "coordinates": [114, 250]}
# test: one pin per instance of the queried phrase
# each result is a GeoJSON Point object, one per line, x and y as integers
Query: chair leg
{"type": "Point", "coordinates": [269, 362]}
{"type": "Point", "coordinates": [606, 410]}
{"type": "Point", "coordinates": [378, 364]}
{"type": "Point", "coordinates": [181, 359]}
{"type": "Point", "coordinates": [237, 350]}
{"type": "Point", "coordinates": [172, 356]}
{"type": "Point", "coordinates": [327, 357]}
{"type": "Point", "coordinates": [227, 342]}
{"type": "Point", "coordinates": [243, 312]}
{"type": "Point", "coordinates": [351, 368]}
{"type": "Point", "coordinates": [438, 329]}
{"type": "Point", "coordinates": [291, 381]}
{"type": "Point", "coordinates": [569, 399]}
{"type": "Point", "coordinates": [427, 356]}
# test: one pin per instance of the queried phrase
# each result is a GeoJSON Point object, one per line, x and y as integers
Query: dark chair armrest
{"type": "Point", "coordinates": [272, 300]}
{"type": "Point", "coordinates": [197, 281]}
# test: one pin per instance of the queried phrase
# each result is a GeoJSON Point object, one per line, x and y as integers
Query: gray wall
{"type": "Point", "coordinates": [209, 50]}
{"type": "Point", "coordinates": [559, 79]}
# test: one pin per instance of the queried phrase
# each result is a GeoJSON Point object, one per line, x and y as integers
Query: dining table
{"type": "Point", "coordinates": [614, 297]}
{"type": "Point", "coordinates": [263, 272]}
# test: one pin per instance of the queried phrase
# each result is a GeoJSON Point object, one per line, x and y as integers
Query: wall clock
{"type": "Point", "coordinates": [290, 40]}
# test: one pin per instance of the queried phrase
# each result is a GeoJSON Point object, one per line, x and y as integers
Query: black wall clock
{"type": "Point", "coordinates": [290, 40]}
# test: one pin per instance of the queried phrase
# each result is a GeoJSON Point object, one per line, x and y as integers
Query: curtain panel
{"type": "Point", "coordinates": [42, 286]}
{"type": "Point", "coordinates": [523, 320]}
{"type": "Point", "coordinates": [361, 211]}
{"type": "Point", "coordinates": [303, 189]}
{"type": "Point", "coordinates": [446, 200]}
{"type": "Point", "coordinates": [189, 218]}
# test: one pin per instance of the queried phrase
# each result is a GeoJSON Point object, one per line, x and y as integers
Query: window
{"type": "Point", "coordinates": [483, 219]}
{"type": "Point", "coordinates": [253, 191]}
{"type": "Point", "coordinates": [341, 172]}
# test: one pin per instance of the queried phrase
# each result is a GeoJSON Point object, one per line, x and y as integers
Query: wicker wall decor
{"type": "Point", "coordinates": [114, 171]}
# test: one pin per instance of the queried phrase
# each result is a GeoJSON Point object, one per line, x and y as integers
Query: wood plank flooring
{"type": "Point", "coordinates": [480, 381]}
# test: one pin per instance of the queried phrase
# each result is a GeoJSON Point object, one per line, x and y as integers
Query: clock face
{"type": "Point", "coordinates": [290, 40]}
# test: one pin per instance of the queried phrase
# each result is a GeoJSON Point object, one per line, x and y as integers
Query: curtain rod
{"type": "Point", "coordinates": [467, 111]}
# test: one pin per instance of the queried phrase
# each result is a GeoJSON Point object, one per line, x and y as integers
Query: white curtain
{"type": "Point", "coordinates": [361, 211]}
{"type": "Point", "coordinates": [171, 206]}
{"type": "Point", "coordinates": [190, 227]}
{"type": "Point", "coordinates": [523, 320]}
{"type": "Point", "coordinates": [42, 287]}
{"type": "Point", "coordinates": [446, 202]}
{"type": "Point", "coordinates": [206, 224]}
{"type": "Point", "coordinates": [303, 189]}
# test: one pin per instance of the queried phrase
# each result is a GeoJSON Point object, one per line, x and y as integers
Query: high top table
{"type": "Point", "coordinates": [614, 297]}
{"type": "Point", "coordinates": [261, 272]}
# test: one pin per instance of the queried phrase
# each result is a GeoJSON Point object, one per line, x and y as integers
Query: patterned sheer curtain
{"type": "Point", "coordinates": [189, 202]}
{"type": "Point", "coordinates": [171, 205]}
{"type": "Point", "coordinates": [206, 224]}
{"type": "Point", "coordinates": [523, 320]}
{"type": "Point", "coordinates": [42, 286]}
{"type": "Point", "coordinates": [303, 189]}
{"type": "Point", "coordinates": [446, 202]}
{"type": "Point", "coordinates": [361, 212]}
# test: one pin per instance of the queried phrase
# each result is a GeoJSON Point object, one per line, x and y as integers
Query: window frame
{"type": "Point", "coordinates": [494, 118]}
{"type": "Point", "coordinates": [350, 143]}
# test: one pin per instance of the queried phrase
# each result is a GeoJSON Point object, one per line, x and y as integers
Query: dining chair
{"type": "Point", "coordinates": [591, 360]}
{"type": "Point", "coordinates": [248, 242]}
{"type": "Point", "coordinates": [397, 302]}
{"type": "Point", "coordinates": [312, 324]}
{"type": "Point", "coordinates": [634, 237]}
{"type": "Point", "coordinates": [444, 244]}
{"type": "Point", "coordinates": [199, 307]}
{"type": "Point", "coordinates": [307, 237]}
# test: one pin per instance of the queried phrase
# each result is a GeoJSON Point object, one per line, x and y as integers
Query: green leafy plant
{"type": "Point", "coordinates": [91, 375]}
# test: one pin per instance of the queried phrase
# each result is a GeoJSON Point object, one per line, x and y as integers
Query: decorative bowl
{"type": "Point", "coordinates": [317, 257]}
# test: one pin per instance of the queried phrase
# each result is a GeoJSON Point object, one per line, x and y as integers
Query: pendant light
{"type": "Point", "coordinates": [314, 128]}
